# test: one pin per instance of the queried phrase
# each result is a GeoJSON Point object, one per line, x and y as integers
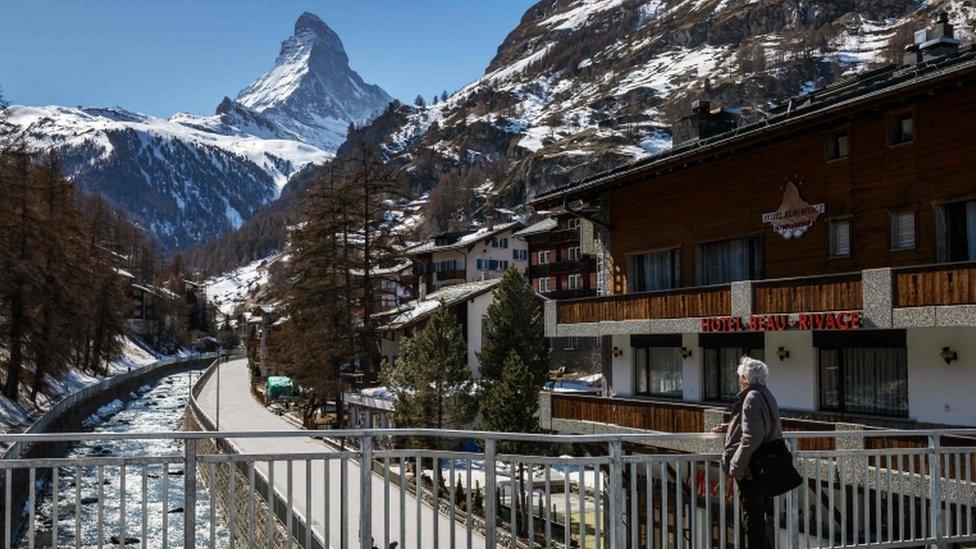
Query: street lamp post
{"type": "Point", "coordinates": [218, 389]}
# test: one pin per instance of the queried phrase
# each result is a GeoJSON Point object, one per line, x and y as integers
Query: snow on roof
{"type": "Point", "coordinates": [465, 241]}
{"type": "Point", "coordinates": [418, 309]}
{"type": "Point", "coordinates": [122, 272]}
{"type": "Point", "coordinates": [543, 226]}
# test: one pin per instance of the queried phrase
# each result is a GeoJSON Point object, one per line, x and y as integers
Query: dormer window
{"type": "Point", "coordinates": [901, 129]}
{"type": "Point", "coordinates": [838, 145]}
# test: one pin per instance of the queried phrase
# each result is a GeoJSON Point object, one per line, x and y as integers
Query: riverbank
{"type": "Point", "coordinates": [16, 417]}
{"type": "Point", "coordinates": [70, 414]}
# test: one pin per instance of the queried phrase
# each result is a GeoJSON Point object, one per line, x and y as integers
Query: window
{"type": "Point", "coordinates": [520, 255]}
{"type": "Point", "coordinates": [573, 253]}
{"type": "Point", "coordinates": [863, 373]}
{"type": "Point", "coordinates": [653, 271]}
{"type": "Point", "coordinates": [721, 363]}
{"type": "Point", "coordinates": [657, 365]}
{"type": "Point", "coordinates": [956, 228]}
{"type": "Point", "coordinates": [573, 223]}
{"type": "Point", "coordinates": [480, 264]}
{"type": "Point", "coordinates": [574, 282]}
{"type": "Point", "coordinates": [901, 129]}
{"type": "Point", "coordinates": [543, 284]}
{"type": "Point", "coordinates": [903, 230]}
{"type": "Point", "coordinates": [840, 237]}
{"type": "Point", "coordinates": [728, 261]}
{"type": "Point", "coordinates": [544, 257]}
{"type": "Point", "coordinates": [503, 264]}
{"type": "Point", "coordinates": [837, 145]}
{"type": "Point", "coordinates": [492, 264]}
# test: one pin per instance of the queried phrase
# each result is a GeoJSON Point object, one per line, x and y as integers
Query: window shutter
{"type": "Point", "coordinates": [903, 230]}
{"type": "Point", "coordinates": [840, 238]}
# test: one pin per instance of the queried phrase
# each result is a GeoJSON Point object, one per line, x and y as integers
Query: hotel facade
{"type": "Point", "coordinates": [835, 240]}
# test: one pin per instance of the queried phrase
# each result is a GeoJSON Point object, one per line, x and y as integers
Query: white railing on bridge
{"type": "Point", "coordinates": [492, 489]}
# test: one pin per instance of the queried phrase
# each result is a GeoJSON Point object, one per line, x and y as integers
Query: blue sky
{"type": "Point", "coordinates": [166, 56]}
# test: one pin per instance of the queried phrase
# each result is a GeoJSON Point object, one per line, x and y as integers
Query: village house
{"type": "Point", "coordinates": [479, 253]}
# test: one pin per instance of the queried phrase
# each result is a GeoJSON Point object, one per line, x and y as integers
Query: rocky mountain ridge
{"type": "Point", "coordinates": [580, 86]}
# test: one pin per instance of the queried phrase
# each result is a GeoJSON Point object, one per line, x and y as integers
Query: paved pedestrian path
{"type": "Point", "coordinates": [239, 411]}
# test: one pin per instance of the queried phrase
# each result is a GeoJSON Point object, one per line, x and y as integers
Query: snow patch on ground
{"type": "Point", "coordinates": [16, 416]}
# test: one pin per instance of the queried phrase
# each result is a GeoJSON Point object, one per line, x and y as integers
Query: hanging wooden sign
{"type": "Point", "coordinates": [794, 216]}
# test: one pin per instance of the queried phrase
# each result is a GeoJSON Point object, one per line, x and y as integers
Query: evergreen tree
{"type": "Point", "coordinates": [514, 323]}
{"type": "Point", "coordinates": [419, 101]}
{"type": "Point", "coordinates": [511, 403]}
{"type": "Point", "coordinates": [444, 96]}
{"type": "Point", "coordinates": [432, 382]}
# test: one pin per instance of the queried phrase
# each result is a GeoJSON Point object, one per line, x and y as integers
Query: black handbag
{"type": "Point", "coordinates": [772, 466]}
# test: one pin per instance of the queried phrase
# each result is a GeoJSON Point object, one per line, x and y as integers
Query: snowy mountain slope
{"type": "Point", "coordinates": [184, 184]}
{"type": "Point", "coordinates": [192, 178]}
{"type": "Point", "coordinates": [311, 92]}
{"type": "Point", "coordinates": [583, 85]}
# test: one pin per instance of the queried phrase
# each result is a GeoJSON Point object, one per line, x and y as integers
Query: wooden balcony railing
{"type": "Point", "coordinates": [945, 284]}
{"type": "Point", "coordinates": [585, 264]}
{"type": "Point", "coordinates": [809, 294]}
{"type": "Point", "coordinates": [671, 417]}
{"type": "Point", "coordinates": [684, 302]}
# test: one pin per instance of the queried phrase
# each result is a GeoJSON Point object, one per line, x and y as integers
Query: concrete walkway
{"type": "Point", "coordinates": [239, 411]}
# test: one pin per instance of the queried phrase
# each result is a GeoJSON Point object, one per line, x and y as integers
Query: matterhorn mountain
{"type": "Point", "coordinates": [189, 179]}
{"type": "Point", "coordinates": [311, 92]}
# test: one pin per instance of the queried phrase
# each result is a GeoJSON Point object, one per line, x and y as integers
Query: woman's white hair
{"type": "Point", "coordinates": [753, 370]}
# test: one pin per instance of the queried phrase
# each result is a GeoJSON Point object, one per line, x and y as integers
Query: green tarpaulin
{"type": "Point", "coordinates": [279, 386]}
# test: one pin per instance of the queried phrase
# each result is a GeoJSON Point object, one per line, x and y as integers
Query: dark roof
{"type": "Point", "coordinates": [835, 97]}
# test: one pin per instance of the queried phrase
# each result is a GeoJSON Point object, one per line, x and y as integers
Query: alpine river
{"type": "Point", "coordinates": [157, 407]}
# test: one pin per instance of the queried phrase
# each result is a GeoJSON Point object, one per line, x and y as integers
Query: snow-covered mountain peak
{"type": "Point", "coordinates": [311, 92]}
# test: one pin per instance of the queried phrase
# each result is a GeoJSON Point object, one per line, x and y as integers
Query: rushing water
{"type": "Point", "coordinates": [158, 407]}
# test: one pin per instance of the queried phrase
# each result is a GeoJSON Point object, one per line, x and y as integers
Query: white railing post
{"type": "Point", "coordinates": [618, 534]}
{"type": "Point", "coordinates": [189, 493]}
{"type": "Point", "coordinates": [935, 490]}
{"type": "Point", "coordinates": [366, 492]}
{"type": "Point", "coordinates": [792, 515]}
{"type": "Point", "coordinates": [490, 494]}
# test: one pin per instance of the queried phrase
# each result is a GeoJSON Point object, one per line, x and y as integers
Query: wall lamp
{"type": "Point", "coordinates": [948, 355]}
{"type": "Point", "coordinates": [782, 354]}
{"type": "Point", "coordinates": [685, 352]}
{"type": "Point", "coordinates": [618, 352]}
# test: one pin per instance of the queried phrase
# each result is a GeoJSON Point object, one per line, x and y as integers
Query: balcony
{"type": "Point", "coordinates": [918, 296]}
{"type": "Point", "coordinates": [813, 294]}
{"type": "Point", "coordinates": [454, 274]}
{"type": "Point", "coordinates": [570, 294]}
{"type": "Point", "coordinates": [932, 285]}
{"type": "Point", "coordinates": [585, 264]}
{"type": "Point", "coordinates": [570, 412]}
{"type": "Point", "coordinates": [684, 302]}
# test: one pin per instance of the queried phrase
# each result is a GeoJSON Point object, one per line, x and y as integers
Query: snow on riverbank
{"type": "Point", "coordinates": [16, 416]}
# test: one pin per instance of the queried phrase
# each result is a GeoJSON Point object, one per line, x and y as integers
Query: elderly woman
{"type": "Point", "coordinates": [755, 420]}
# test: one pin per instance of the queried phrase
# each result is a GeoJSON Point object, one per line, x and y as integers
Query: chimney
{"type": "Point", "coordinates": [935, 42]}
{"type": "Point", "coordinates": [703, 122]}
{"type": "Point", "coordinates": [422, 290]}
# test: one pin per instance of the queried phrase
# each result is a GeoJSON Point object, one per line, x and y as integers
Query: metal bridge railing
{"type": "Point", "coordinates": [430, 488]}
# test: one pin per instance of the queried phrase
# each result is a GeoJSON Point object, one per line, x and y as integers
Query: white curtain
{"type": "Point", "coordinates": [876, 380]}
{"type": "Point", "coordinates": [726, 261]}
{"type": "Point", "coordinates": [665, 370]}
{"type": "Point", "coordinates": [652, 271]}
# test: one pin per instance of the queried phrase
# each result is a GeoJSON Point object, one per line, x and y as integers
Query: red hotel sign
{"type": "Point", "coordinates": [844, 320]}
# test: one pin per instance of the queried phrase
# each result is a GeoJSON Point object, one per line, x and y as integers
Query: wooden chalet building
{"type": "Point", "coordinates": [836, 240]}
